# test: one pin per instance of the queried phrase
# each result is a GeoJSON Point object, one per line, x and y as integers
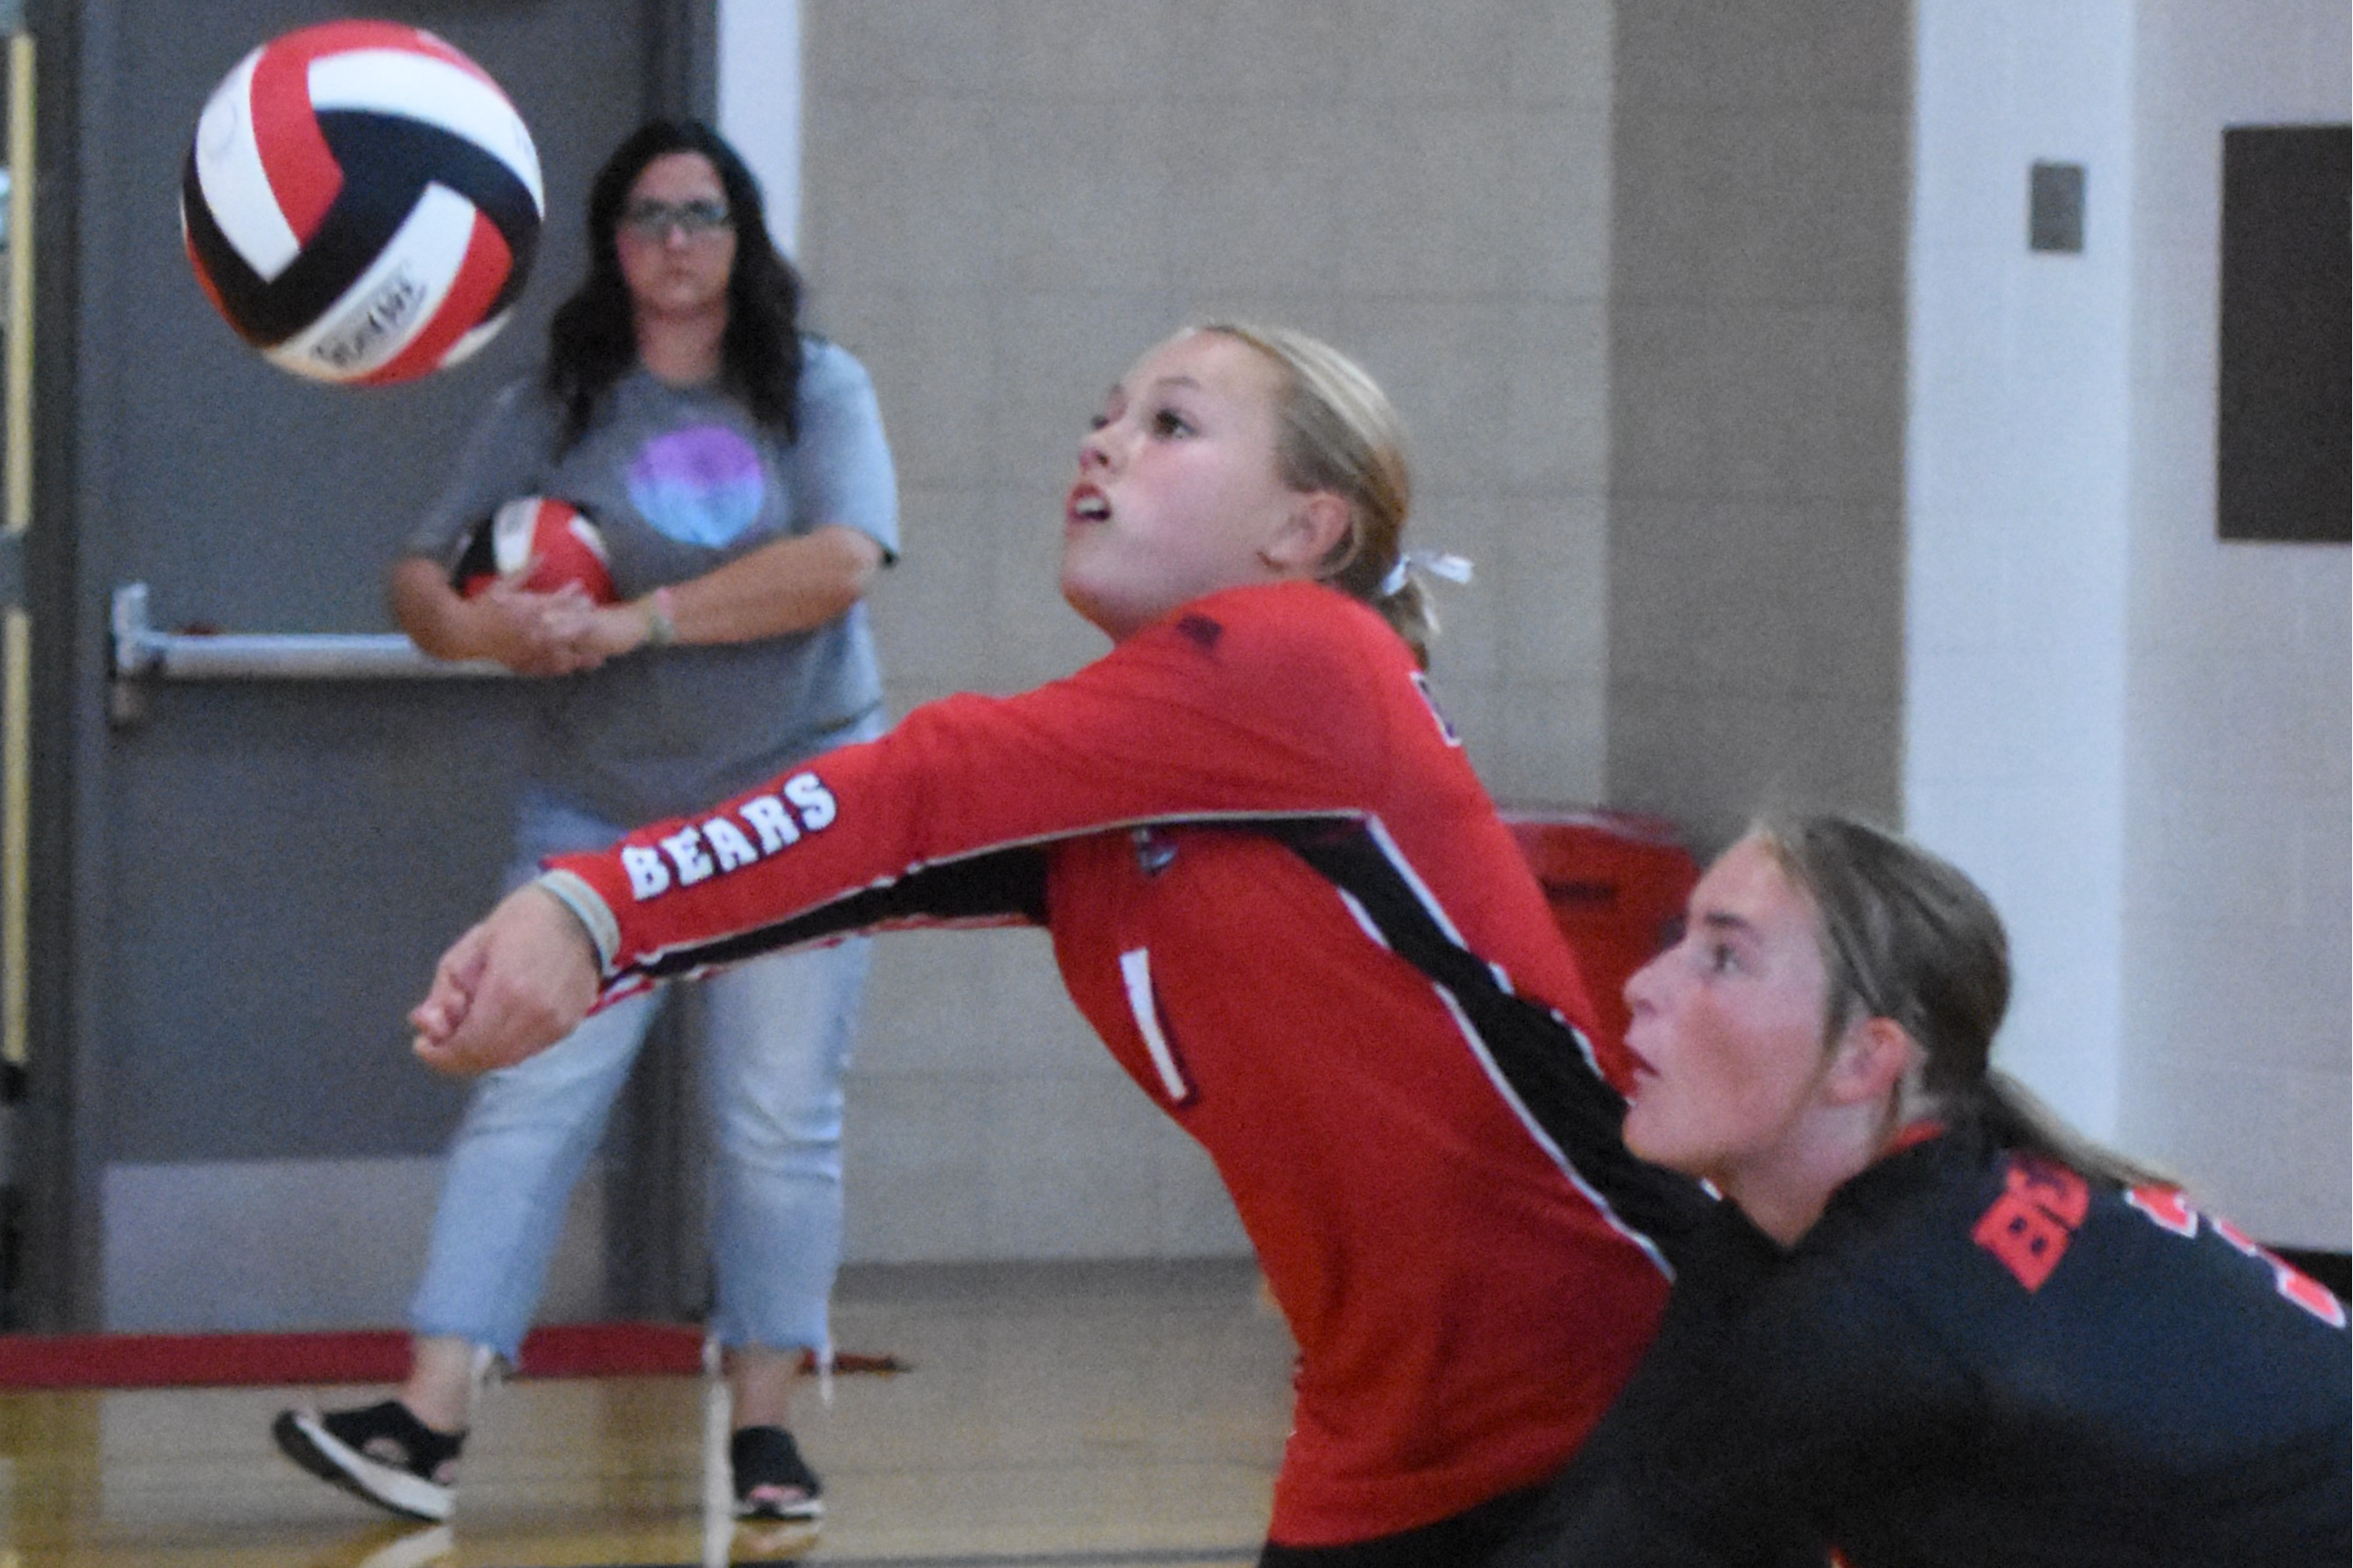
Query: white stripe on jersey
{"type": "Point", "coordinates": [1487, 1062]}
{"type": "Point", "coordinates": [1135, 969]}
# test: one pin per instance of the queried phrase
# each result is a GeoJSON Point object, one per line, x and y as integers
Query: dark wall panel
{"type": "Point", "coordinates": [2281, 445]}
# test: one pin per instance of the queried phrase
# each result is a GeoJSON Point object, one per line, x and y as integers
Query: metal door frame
{"type": "Point", "coordinates": [51, 867]}
{"type": "Point", "coordinates": [50, 1202]}
{"type": "Point", "coordinates": [16, 648]}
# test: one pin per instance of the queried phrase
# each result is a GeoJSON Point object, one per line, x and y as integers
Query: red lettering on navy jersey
{"type": "Point", "coordinates": [2301, 1289]}
{"type": "Point", "coordinates": [2028, 1240]}
{"type": "Point", "coordinates": [2235, 1236]}
{"type": "Point", "coordinates": [2052, 1187]}
{"type": "Point", "coordinates": [2309, 1294]}
{"type": "Point", "coordinates": [2169, 1208]}
{"type": "Point", "coordinates": [2028, 1227]}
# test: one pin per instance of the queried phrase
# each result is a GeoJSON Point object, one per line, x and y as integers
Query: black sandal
{"type": "Point", "coordinates": [772, 1479]}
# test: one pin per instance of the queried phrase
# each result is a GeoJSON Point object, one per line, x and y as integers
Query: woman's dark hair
{"type": "Point", "coordinates": [593, 340]}
{"type": "Point", "coordinates": [1905, 935]}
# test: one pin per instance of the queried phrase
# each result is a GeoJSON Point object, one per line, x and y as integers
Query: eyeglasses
{"type": "Point", "coordinates": [693, 220]}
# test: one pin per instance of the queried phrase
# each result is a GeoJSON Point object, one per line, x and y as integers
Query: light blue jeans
{"type": "Point", "coordinates": [774, 1044]}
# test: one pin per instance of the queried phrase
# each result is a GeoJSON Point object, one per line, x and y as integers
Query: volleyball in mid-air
{"type": "Point", "coordinates": [538, 544]}
{"type": "Point", "coordinates": [361, 202]}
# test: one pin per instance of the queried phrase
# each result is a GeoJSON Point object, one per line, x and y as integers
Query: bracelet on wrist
{"type": "Point", "coordinates": [661, 629]}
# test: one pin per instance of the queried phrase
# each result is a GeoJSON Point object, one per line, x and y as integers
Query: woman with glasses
{"type": "Point", "coordinates": [737, 470]}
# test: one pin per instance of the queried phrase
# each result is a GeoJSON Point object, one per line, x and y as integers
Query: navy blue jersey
{"type": "Point", "coordinates": [1976, 1359]}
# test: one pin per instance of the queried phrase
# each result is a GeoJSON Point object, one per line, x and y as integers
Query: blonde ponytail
{"type": "Point", "coordinates": [1341, 433]}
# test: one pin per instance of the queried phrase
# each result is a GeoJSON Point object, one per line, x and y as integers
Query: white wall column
{"type": "Point", "coordinates": [760, 103]}
{"type": "Point", "coordinates": [2016, 492]}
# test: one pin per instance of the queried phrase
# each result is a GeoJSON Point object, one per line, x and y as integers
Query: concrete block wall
{"type": "Point", "coordinates": [2134, 734]}
{"type": "Point", "coordinates": [1757, 329]}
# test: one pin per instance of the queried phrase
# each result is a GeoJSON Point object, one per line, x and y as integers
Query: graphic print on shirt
{"type": "Point", "coordinates": [701, 485]}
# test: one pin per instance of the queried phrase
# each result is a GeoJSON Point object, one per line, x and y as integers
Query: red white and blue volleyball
{"type": "Point", "coordinates": [361, 202]}
{"type": "Point", "coordinates": [538, 544]}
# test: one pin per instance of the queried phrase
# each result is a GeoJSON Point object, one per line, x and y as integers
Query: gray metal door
{"type": "Point", "coordinates": [239, 885]}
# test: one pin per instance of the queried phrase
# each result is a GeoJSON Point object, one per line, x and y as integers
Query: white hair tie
{"type": "Point", "coordinates": [1437, 562]}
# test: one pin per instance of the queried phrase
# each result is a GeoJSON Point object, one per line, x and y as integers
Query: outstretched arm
{"type": "Point", "coordinates": [1180, 724]}
{"type": "Point", "coordinates": [1173, 725]}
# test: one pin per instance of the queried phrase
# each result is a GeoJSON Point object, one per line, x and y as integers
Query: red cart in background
{"type": "Point", "coordinates": [1616, 881]}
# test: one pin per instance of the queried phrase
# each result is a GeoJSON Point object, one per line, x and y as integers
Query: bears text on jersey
{"type": "Point", "coordinates": [754, 829]}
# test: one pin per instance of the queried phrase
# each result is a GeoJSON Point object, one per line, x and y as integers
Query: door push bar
{"type": "Point", "coordinates": [143, 654]}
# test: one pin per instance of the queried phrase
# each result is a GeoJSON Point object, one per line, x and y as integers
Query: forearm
{"type": "Point", "coordinates": [510, 986]}
{"type": "Point", "coordinates": [531, 634]}
{"type": "Point", "coordinates": [431, 612]}
{"type": "Point", "coordinates": [791, 585]}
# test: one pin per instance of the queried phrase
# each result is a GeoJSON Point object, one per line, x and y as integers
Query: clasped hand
{"type": "Point", "coordinates": [558, 633]}
{"type": "Point", "coordinates": [508, 988]}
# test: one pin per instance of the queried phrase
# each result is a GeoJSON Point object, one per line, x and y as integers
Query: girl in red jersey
{"type": "Point", "coordinates": [1280, 895]}
{"type": "Point", "coordinates": [1931, 1327]}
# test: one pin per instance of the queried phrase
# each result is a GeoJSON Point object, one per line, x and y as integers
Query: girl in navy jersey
{"type": "Point", "coordinates": [1931, 1326]}
{"type": "Point", "coordinates": [1283, 899]}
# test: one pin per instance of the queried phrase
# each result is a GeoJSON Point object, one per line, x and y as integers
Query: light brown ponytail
{"type": "Point", "coordinates": [1906, 936]}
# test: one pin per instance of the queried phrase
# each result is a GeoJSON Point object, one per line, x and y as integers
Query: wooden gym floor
{"type": "Point", "coordinates": [1054, 1416]}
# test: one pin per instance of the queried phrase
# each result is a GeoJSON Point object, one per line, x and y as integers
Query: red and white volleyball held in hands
{"type": "Point", "coordinates": [361, 202]}
{"type": "Point", "coordinates": [538, 544]}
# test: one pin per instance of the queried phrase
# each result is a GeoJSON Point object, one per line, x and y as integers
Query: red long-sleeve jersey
{"type": "Point", "coordinates": [1281, 896]}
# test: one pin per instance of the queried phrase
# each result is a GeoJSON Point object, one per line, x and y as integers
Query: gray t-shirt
{"type": "Point", "coordinates": [680, 482]}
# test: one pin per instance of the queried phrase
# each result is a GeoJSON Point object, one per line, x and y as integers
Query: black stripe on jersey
{"type": "Point", "coordinates": [1543, 1058]}
{"type": "Point", "coordinates": [1544, 1062]}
